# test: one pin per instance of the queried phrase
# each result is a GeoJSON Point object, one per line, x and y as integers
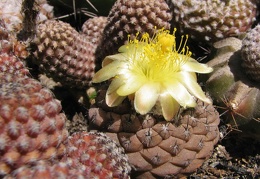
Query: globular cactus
{"type": "Point", "coordinates": [98, 155]}
{"type": "Point", "coordinates": [212, 20]}
{"type": "Point", "coordinates": [157, 148]}
{"type": "Point", "coordinates": [46, 170]}
{"type": "Point", "coordinates": [128, 17]}
{"type": "Point", "coordinates": [89, 155]}
{"type": "Point", "coordinates": [63, 54]}
{"type": "Point", "coordinates": [32, 125]}
{"type": "Point", "coordinates": [231, 89]}
{"type": "Point", "coordinates": [93, 29]}
{"type": "Point", "coordinates": [250, 52]}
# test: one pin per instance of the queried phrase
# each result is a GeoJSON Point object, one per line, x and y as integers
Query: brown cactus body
{"type": "Point", "coordinates": [64, 54]}
{"type": "Point", "coordinates": [93, 29]}
{"type": "Point", "coordinates": [212, 20]}
{"type": "Point", "coordinates": [157, 148]}
{"type": "Point", "coordinates": [250, 52]}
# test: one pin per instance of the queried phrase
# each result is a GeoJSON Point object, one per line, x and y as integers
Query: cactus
{"type": "Point", "coordinates": [231, 89]}
{"type": "Point", "coordinates": [157, 148]}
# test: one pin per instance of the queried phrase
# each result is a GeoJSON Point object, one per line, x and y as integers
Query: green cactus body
{"type": "Point", "coordinates": [232, 90]}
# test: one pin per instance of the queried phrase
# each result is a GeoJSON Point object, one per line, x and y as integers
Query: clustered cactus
{"type": "Point", "coordinates": [86, 157]}
{"type": "Point", "coordinates": [151, 79]}
{"type": "Point", "coordinates": [33, 136]}
{"type": "Point", "coordinates": [34, 140]}
{"type": "Point", "coordinates": [32, 127]}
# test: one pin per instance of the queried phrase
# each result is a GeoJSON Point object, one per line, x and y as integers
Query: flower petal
{"type": "Point", "coordinates": [180, 94]}
{"type": "Point", "coordinates": [146, 97]}
{"type": "Point", "coordinates": [110, 58]}
{"type": "Point", "coordinates": [131, 85]}
{"type": "Point", "coordinates": [193, 87]}
{"type": "Point", "coordinates": [113, 99]}
{"type": "Point", "coordinates": [170, 106]}
{"type": "Point", "coordinates": [115, 84]}
{"type": "Point", "coordinates": [107, 72]}
{"type": "Point", "coordinates": [194, 66]}
{"type": "Point", "coordinates": [106, 61]}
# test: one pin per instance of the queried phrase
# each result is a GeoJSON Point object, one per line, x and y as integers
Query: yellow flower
{"type": "Point", "coordinates": [156, 72]}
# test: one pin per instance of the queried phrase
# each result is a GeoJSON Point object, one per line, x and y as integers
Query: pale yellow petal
{"type": "Point", "coordinates": [170, 106]}
{"type": "Point", "coordinates": [131, 85]}
{"type": "Point", "coordinates": [180, 94]}
{"type": "Point", "coordinates": [113, 99]}
{"type": "Point", "coordinates": [193, 66]}
{"type": "Point", "coordinates": [111, 58]}
{"type": "Point", "coordinates": [106, 61]}
{"type": "Point", "coordinates": [146, 97]}
{"type": "Point", "coordinates": [107, 72]}
{"type": "Point", "coordinates": [193, 87]}
{"type": "Point", "coordinates": [115, 84]}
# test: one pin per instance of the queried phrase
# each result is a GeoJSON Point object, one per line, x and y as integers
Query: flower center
{"type": "Point", "coordinates": [157, 57]}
